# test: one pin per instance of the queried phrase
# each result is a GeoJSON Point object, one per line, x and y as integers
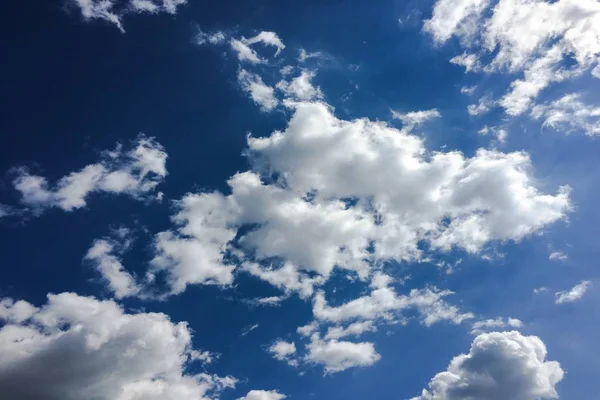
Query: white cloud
{"type": "Point", "coordinates": [16, 311]}
{"type": "Point", "coordinates": [574, 294]}
{"type": "Point", "coordinates": [284, 351]}
{"type": "Point", "coordinates": [384, 303]}
{"type": "Point", "coordinates": [532, 37]}
{"type": "Point", "coordinates": [134, 173]}
{"type": "Point", "coordinates": [469, 61]}
{"type": "Point", "coordinates": [263, 395]}
{"type": "Point", "coordinates": [77, 347]}
{"type": "Point", "coordinates": [500, 365]}
{"type": "Point", "coordinates": [499, 133]}
{"type": "Point", "coordinates": [213, 38]}
{"type": "Point", "coordinates": [337, 356]}
{"type": "Point", "coordinates": [558, 256]}
{"type": "Point", "coordinates": [304, 55]}
{"type": "Point", "coordinates": [267, 38]}
{"type": "Point", "coordinates": [262, 94]}
{"type": "Point", "coordinates": [540, 290]}
{"type": "Point", "coordinates": [113, 11]}
{"type": "Point", "coordinates": [301, 87]}
{"type": "Point", "coordinates": [482, 107]}
{"type": "Point", "coordinates": [452, 17]}
{"type": "Point", "coordinates": [308, 329]}
{"type": "Point", "coordinates": [244, 52]}
{"type": "Point", "coordinates": [354, 329]}
{"type": "Point", "coordinates": [322, 194]}
{"type": "Point", "coordinates": [249, 329]}
{"type": "Point", "coordinates": [495, 324]}
{"type": "Point", "coordinates": [105, 253]}
{"type": "Point", "coordinates": [414, 118]}
{"type": "Point", "coordinates": [569, 114]}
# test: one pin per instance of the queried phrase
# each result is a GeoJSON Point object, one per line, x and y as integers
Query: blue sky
{"type": "Point", "coordinates": [299, 199]}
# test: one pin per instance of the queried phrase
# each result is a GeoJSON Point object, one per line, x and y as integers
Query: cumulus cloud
{"type": "Point", "coordinates": [76, 347]}
{"type": "Point", "coordinates": [301, 87]}
{"type": "Point", "coordinates": [336, 356]}
{"type": "Point", "coordinates": [482, 107]}
{"type": "Point", "coordinates": [284, 351]}
{"type": "Point", "coordinates": [323, 194]}
{"type": "Point", "coordinates": [135, 173]}
{"type": "Point", "coordinates": [354, 329]}
{"type": "Point", "coordinates": [569, 114]}
{"type": "Point", "coordinates": [267, 38]}
{"type": "Point", "coordinates": [574, 294]}
{"type": "Point", "coordinates": [495, 324]}
{"type": "Point", "coordinates": [533, 37]}
{"type": "Point", "coordinates": [263, 395]}
{"type": "Point", "coordinates": [469, 61]}
{"type": "Point", "coordinates": [113, 10]}
{"type": "Point", "coordinates": [261, 94]}
{"type": "Point", "coordinates": [500, 365]}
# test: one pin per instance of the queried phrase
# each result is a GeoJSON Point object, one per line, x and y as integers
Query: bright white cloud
{"type": "Point", "coordinates": [113, 10]}
{"type": "Point", "coordinates": [284, 351]}
{"type": "Point", "coordinates": [468, 90]}
{"type": "Point", "coordinates": [244, 52]}
{"type": "Point", "coordinates": [500, 365]}
{"type": "Point", "coordinates": [135, 173]}
{"type": "Point", "coordinates": [336, 356]}
{"type": "Point", "coordinates": [248, 54]}
{"type": "Point", "coordinates": [540, 290]}
{"type": "Point", "coordinates": [469, 61]}
{"type": "Point", "coordinates": [574, 294]}
{"type": "Point", "coordinates": [261, 94]}
{"type": "Point", "coordinates": [569, 114]}
{"type": "Point", "coordinates": [532, 37]}
{"type": "Point", "coordinates": [322, 194]}
{"type": "Point", "coordinates": [77, 347]}
{"type": "Point", "coordinates": [301, 87]}
{"type": "Point", "coordinates": [263, 395]}
{"type": "Point", "coordinates": [495, 324]}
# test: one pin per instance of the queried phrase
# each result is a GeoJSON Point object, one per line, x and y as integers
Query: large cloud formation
{"type": "Point", "coordinates": [76, 347]}
{"type": "Point", "coordinates": [328, 193]}
{"type": "Point", "coordinates": [499, 366]}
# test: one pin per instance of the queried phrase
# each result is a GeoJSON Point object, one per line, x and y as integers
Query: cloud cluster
{"type": "Point", "coordinates": [500, 365]}
{"type": "Point", "coordinates": [336, 356]}
{"type": "Point", "coordinates": [76, 347]}
{"type": "Point", "coordinates": [495, 324]}
{"type": "Point", "coordinates": [546, 42]}
{"type": "Point", "coordinates": [569, 114]}
{"type": "Point", "coordinates": [113, 11]}
{"type": "Point", "coordinates": [134, 173]}
{"type": "Point", "coordinates": [263, 395]}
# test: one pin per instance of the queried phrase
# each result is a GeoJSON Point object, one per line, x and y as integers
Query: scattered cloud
{"type": "Point", "coordinates": [135, 173]}
{"type": "Point", "coordinates": [76, 347]}
{"type": "Point", "coordinates": [336, 356]}
{"type": "Point", "coordinates": [547, 42]}
{"type": "Point", "coordinates": [499, 365]}
{"type": "Point", "coordinates": [249, 329]}
{"type": "Point", "coordinates": [540, 290]}
{"type": "Point", "coordinates": [569, 114]}
{"type": "Point", "coordinates": [574, 294]}
{"type": "Point", "coordinates": [468, 90]}
{"type": "Point", "coordinates": [284, 351]}
{"type": "Point", "coordinates": [301, 87]}
{"type": "Point", "coordinates": [113, 11]}
{"type": "Point", "coordinates": [484, 105]}
{"type": "Point", "coordinates": [414, 118]}
{"type": "Point", "coordinates": [261, 94]}
{"type": "Point", "coordinates": [354, 329]}
{"type": "Point", "coordinates": [499, 133]}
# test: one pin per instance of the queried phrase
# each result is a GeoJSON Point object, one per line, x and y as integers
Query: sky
{"type": "Point", "coordinates": [268, 200]}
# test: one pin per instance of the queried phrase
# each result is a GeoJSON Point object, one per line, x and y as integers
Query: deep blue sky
{"type": "Point", "coordinates": [72, 88]}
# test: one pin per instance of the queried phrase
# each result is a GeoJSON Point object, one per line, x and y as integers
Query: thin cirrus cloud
{"type": "Point", "coordinates": [135, 173]}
